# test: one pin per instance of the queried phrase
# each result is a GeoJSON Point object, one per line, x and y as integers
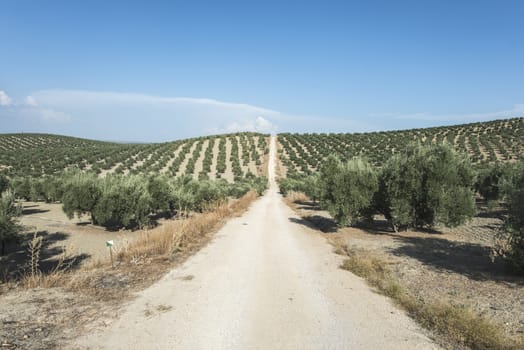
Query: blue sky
{"type": "Point", "coordinates": [157, 71]}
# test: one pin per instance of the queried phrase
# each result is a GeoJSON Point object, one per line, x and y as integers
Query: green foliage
{"type": "Point", "coordinates": [347, 188]}
{"type": "Point", "coordinates": [498, 140]}
{"type": "Point", "coordinates": [81, 193]}
{"type": "Point", "coordinates": [490, 180]}
{"type": "Point", "coordinates": [37, 192]}
{"type": "Point", "coordinates": [515, 223]}
{"type": "Point", "coordinates": [37, 155]}
{"type": "Point", "coordinates": [291, 184]}
{"type": "Point", "coordinates": [53, 188]}
{"type": "Point", "coordinates": [4, 183]}
{"type": "Point", "coordinates": [22, 187]}
{"type": "Point", "coordinates": [124, 201]}
{"type": "Point", "coordinates": [300, 183]}
{"type": "Point", "coordinates": [425, 186]}
{"type": "Point", "coordinates": [209, 193]}
{"type": "Point", "coordinates": [9, 211]}
{"type": "Point", "coordinates": [160, 190]}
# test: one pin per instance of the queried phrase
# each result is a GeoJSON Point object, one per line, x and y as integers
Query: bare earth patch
{"type": "Point", "coordinates": [75, 238]}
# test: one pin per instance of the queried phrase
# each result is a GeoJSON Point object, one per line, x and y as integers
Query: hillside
{"type": "Point", "coordinates": [224, 156]}
{"type": "Point", "coordinates": [499, 140]}
{"type": "Point", "coordinates": [235, 155]}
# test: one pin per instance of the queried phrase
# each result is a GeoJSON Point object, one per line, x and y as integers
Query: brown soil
{"type": "Point", "coordinates": [199, 164]}
{"type": "Point", "coordinates": [170, 162]}
{"type": "Point", "coordinates": [187, 156]}
{"type": "Point", "coordinates": [76, 238]}
{"type": "Point", "coordinates": [228, 174]}
{"type": "Point", "coordinates": [214, 162]}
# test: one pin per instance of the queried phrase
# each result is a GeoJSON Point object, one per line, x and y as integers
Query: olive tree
{"type": "Point", "coordinates": [81, 194]}
{"type": "Point", "coordinates": [22, 187]}
{"type": "Point", "coordinates": [159, 189]}
{"type": "Point", "coordinates": [124, 201]}
{"type": "Point", "coordinates": [347, 188]}
{"type": "Point", "coordinates": [514, 190]}
{"type": "Point", "coordinates": [425, 186]}
{"type": "Point", "coordinates": [490, 181]}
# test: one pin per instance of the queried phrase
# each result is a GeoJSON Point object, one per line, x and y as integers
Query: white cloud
{"type": "Point", "coordinates": [30, 101]}
{"type": "Point", "coordinates": [258, 124]}
{"type": "Point", "coordinates": [516, 111]}
{"type": "Point", "coordinates": [84, 97]}
{"type": "Point", "coordinates": [4, 99]}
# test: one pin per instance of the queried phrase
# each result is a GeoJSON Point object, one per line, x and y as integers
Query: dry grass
{"type": "Point", "coordinates": [140, 262]}
{"type": "Point", "coordinates": [34, 278]}
{"type": "Point", "coordinates": [293, 197]}
{"type": "Point", "coordinates": [182, 235]}
{"type": "Point", "coordinates": [457, 324]}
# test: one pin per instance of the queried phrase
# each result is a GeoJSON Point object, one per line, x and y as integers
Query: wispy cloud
{"type": "Point", "coordinates": [141, 117]}
{"type": "Point", "coordinates": [516, 111]}
{"type": "Point", "coordinates": [76, 98]}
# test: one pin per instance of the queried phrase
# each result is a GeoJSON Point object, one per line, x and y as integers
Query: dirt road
{"type": "Point", "coordinates": [265, 282]}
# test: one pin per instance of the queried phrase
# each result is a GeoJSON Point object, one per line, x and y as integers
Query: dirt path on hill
{"type": "Point", "coordinates": [265, 282]}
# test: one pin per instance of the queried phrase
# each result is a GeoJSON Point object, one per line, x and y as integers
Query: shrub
{"type": "Point", "coordinates": [425, 186]}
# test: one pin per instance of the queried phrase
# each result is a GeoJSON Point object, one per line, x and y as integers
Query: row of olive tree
{"type": "Point", "coordinates": [129, 201]}
{"type": "Point", "coordinates": [424, 186]}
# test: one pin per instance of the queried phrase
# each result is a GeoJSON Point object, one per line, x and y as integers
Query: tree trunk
{"type": "Point", "coordinates": [395, 228]}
